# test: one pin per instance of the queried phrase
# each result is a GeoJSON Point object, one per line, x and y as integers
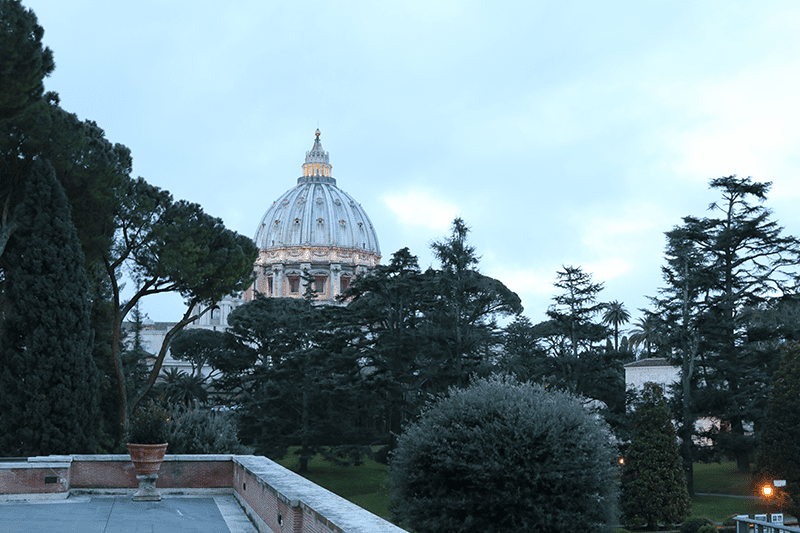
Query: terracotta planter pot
{"type": "Point", "coordinates": [147, 458]}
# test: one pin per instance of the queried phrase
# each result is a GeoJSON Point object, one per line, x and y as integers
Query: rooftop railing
{"type": "Point", "coordinates": [760, 524]}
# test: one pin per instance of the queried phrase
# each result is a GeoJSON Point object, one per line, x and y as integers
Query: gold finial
{"type": "Point", "coordinates": [317, 133]}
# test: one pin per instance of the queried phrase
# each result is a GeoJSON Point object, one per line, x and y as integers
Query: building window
{"type": "Point", "coordinates": [344, 284]}
{"type": "Point", "coordinates": [294, 284]}
{"type": "Point", "coordinates": [319, 284]}
{"type": "Point", "coordinates": [269, 286]}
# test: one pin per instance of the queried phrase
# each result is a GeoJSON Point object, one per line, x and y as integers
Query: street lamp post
{"type": "Point", "coordinates": [767, 490]}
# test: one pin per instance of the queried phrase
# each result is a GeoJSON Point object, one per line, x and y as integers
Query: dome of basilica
{"type": "Point", "coordinates": [317, 228]}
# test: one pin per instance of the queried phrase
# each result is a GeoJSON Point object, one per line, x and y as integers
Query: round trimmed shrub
{"type": "Point", "coordinates": [504, 456]}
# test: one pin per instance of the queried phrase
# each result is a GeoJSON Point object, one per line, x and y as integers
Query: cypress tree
{"type": "Point", "coordinates": [653, 484]}
{"type": "Point", "coordinates": [48, 379]}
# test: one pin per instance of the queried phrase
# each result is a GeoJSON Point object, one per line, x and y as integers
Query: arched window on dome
{"type": "Point", "coordinates": [344, 284]}
{"type": "Point", "coordinates": [215, 315]}
{"type": "Point", "coordinates": [269, 286]}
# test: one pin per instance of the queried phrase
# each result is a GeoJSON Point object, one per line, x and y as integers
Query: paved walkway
{"type": "Point", "coordinates": [119, 514]}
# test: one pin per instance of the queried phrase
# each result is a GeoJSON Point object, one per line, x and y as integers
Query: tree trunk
{"type": "Point", "coordinates": [686, 457]}
{"type": "Point", "coordinates": [304, 451]}
{"type": "Point", "coordinates": [116, 354]}
{"type": "Point", "coordinates": [742, 457]}
{"type": "Point", "coordinates": [187, 319]}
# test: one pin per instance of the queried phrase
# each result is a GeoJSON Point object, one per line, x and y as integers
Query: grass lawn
{"type": "Point", "coordinates": [365, 486]}
{"type": "Point", "coordinates": [718, 508]}
{"type": "Point", "coordinates": [721, 478]}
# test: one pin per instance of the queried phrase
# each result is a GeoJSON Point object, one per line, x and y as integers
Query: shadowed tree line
{"type": "Point", "coordinates": [63, 183]}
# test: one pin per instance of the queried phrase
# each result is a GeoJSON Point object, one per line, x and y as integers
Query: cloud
{"type": "Point", "coordinates": [421, 208]}
{"type": "Point", "coordinates": [533, 285]}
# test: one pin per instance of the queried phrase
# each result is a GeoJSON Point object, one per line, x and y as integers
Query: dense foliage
{"type": "Point", "coordinates": [572, 350]}
{"type": "Point", "coordinates": [653, 483]}
{"type": "Point", "coordinates": [779, 453]}
{"type": "Point", "coordinates": [169, 246]}
{"type": "Point", "coordinates": [694, 525]}
{"type": "Point", "coordinates": [504, 456]}
{"type": "Point", "coordinates": [48, 380]}
{"type": "Point", "coordinates": [725, 274]}
{"type": "Point", "coordinates": [295, 381]}
{"type": "Point", "coordinates": [148, 425]}
{"type": "Point", "coordinates": [334, 380]}
{"type": "Point", "coordinates": [196, 431]}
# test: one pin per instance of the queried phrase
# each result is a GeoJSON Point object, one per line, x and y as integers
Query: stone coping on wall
{"type": "Point", "coordinates": [337, 513]}
{"type": "Point", "coordinates": [122, 457]}
{"type": "Point", "coordinates": [15, 465]}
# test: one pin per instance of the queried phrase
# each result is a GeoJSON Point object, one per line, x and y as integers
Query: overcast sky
{"type": "Point", "coordinates": [564, 133]}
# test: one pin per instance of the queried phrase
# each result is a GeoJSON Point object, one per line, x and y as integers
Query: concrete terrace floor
{"type": "Point", "coordinates": [119, 514]}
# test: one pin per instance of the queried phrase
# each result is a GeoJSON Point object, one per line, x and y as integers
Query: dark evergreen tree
{"type": "Point", "coordinates": [48, 380]}
{"type": "Point", "coordinates": [135, 356]}
{"type": "Point", "coordinates": [461, 323]}
{"type": "Point", "coordinates": [575, 308]}
{"type": "Point", "coordinates": [746, 262]}
{"type": "Point", "coordinates": [24, 63]}
{"type": "Point", "coordinates": [522, 356]}
{"type": "Point", "coordinates": [294, 380]}
{"type": "Point", "coordinates": [386, 309]}
{"type": "Point", "coordinates": [576, 360]}
{"type": "Point", "coordinates": [32, 125]}
{"type": "Point", "coordinates": [680, 324]}
{"type": "Point", "coordinates": [653, 484]}
{"type": "Point", "coordinates": [197, 346]}
{"type": "Point", "coordinates": [779, 452]}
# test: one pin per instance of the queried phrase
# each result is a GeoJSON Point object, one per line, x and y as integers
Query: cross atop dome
{"type": "Point", "coordinates": [317, 166]}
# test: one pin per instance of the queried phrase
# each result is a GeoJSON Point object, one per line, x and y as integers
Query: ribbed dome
{"type": "Point", "coordinates": [316, 213]}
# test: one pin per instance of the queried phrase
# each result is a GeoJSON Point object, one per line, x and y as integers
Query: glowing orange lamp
{"type": "Point", "coordinates": [767, 490]}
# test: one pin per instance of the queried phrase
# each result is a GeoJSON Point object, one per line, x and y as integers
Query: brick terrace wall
{"type": "Point", "coordinates": [111, 472]}
{"type": "Point", "coordinates": [276, 499]}
{"type": "Point", "coordinates": [267, 490]}
{"type": "Point", "coordinates": [177, 471]}
{"type": "Point", "coordinates": [31, 478]}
